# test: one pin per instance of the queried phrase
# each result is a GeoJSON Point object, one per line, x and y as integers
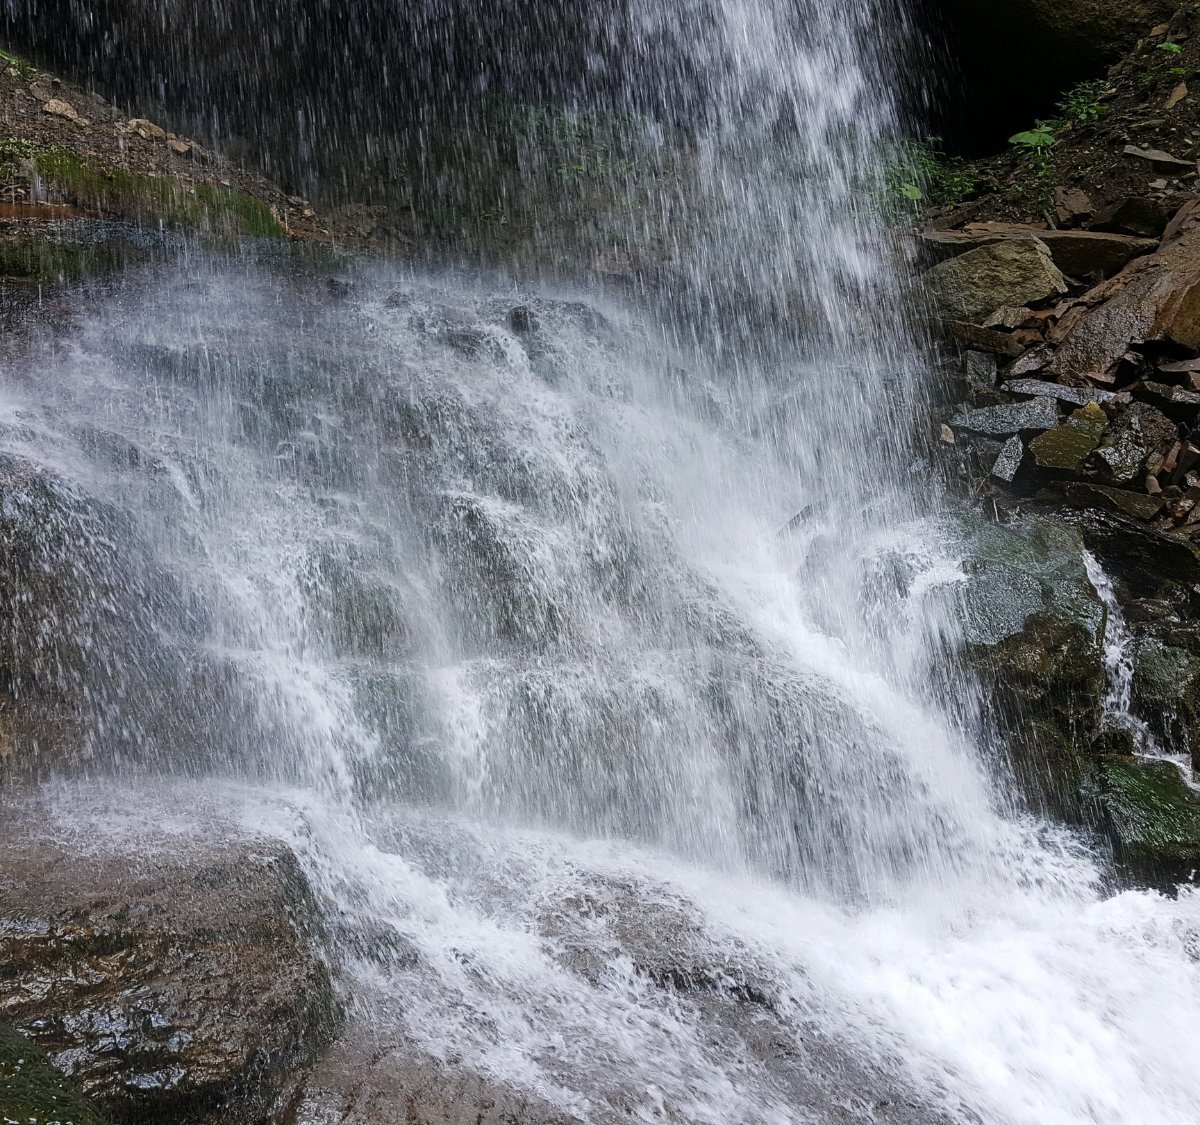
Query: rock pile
{"type": "Point", "coordinates": [1082, 363]}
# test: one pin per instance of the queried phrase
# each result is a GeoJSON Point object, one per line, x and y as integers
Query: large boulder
{"type": "Point", "coordinates": [1009, 273]}
{"type": "Point", "coordinates": [1152, 817]}
{"type": "Point", "coordinates": [171, 975]}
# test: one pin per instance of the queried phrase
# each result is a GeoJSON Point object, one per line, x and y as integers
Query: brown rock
{"type": "Point", "coordinates": [181, 148]}
{"type": "Point", "coordinates": [1010, 272]}
{"type": "Point", "coordinates": [1177, 95]}
{"type": "Point", "coordinates": [1075, 252]}
{"type": "Point", "coordinates": [147, 130]}
{"type": "Point", "coordinates": [1156, 300]}
{"type": "Point", "coordinates": [172, 980]}
{"type": "Point", "coordinates": [57, 107]}
{"type": "Point", "coordinates": [980, 339]}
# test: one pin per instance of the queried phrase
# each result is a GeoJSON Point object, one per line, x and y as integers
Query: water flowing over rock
{"type": "Point", "coordinates": [576, 667]}
{"type": "Point", "coordinates": [178, 984]}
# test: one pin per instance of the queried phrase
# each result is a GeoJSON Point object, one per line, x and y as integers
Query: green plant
{"type": "Point", "coordinates": [22, 148]}
{"type": "Point", "coordinates": [23, 69]}
{"type": "Point", "coordinates": [1082, 103]}
{"type": "Point", "coordinates": [919, 171]}
{"type": "Point", "coordinates": [1037, 144]}
{"type": "Point", "coordinates": [1169, 48]}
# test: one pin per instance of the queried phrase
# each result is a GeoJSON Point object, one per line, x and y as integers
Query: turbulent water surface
{"type": "Point", "coordinates": [599, 662]}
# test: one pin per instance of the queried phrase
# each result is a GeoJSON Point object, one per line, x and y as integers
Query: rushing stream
{"type": "Point", "coordinates": [600, 663]}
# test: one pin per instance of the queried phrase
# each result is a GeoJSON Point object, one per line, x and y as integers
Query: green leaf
{"type": "Point", "coordinates": [911, 191]}
{"type": "Point", "coordinates": [1032, 138]}
{"type": "Point", "coordinates": [1171, 48]}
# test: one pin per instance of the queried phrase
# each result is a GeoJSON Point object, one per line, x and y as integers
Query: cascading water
{"type": "Point", "coordinates": [1119, 665]}
{"type": "Point", "coordinates": [599, 663]}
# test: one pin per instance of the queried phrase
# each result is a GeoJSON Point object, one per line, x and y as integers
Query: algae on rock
{"type": "Point", "coordinates": [32, 1092]}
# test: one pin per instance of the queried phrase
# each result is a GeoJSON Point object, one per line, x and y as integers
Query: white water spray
{"type": "Point", "coordinates": [624, 784]}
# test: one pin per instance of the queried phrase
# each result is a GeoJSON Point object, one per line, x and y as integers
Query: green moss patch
{"type": "Point", "coordinates": [113, 193]}
{"type": "Point", "coordinates": [32, 1092]}
{"type": "Point", "coordinates": [1152, 816]}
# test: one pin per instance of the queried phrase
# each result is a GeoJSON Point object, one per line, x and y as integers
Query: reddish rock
{"type": "Point", "coordinates": [1157, 300]}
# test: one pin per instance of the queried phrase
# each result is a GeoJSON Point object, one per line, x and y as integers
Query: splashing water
{"type": "Point", "coordinates": [599, 662]}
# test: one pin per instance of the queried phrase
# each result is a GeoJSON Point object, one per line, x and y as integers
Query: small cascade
{"type": "Point", "coordinates": [1119, 668]}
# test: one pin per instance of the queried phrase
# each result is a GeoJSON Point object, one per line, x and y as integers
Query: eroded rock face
{"type": "Point", "coordinates": [178, 983]}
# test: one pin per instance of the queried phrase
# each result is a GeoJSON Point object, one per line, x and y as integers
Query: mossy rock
{"type": "Point", "coordinates": [1068, 446]}
{"type": "Point", "coordinates": [1046, 688]}
{"type": "Point", "coordinates": [1033, 626]}
{"type": "Point", "coordinates": [1152, 817]}
{"type": "Point", "coordinates": [1166, 689]}
{"type": "Point", "coordinates": [32, 1092]}
{"type": "Point", "coordinates": [160, 200]}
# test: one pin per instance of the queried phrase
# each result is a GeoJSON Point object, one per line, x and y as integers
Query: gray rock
{"type": "Point", "coordinates": [1135, 504]}
{"type": "Point", "coordinates": [1010, 273]}
{"type": "Point", "coordinates": [1008, 462]}
{"type": "Point", "coordinates": [1124, 459]}
{"type": "Point", "coordinates": [1078, 395]}
{"type": "Point", "coordinates": [980, 369]}
{"type": "Point", "coordinates": [1011, 418]}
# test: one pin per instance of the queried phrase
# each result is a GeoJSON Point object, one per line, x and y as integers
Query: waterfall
{"type": "Point", "coordinates": [597, 652]}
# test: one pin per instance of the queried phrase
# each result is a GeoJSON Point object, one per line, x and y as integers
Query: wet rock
{"type": "Point", "coordinates": [32, 1092]}
{"type": "Point", "coordinates": [1166, 686]}
{"type": "Point", "coordinates": [981, 370]}
{"type": "Point", "coordinates": [1033, 624]}
{"type": "Point", "coordinates": [1148, 563]}
{"type": "Point", "coordinates": [1133, 435]}
{"type": "Point", "coordinates": [1079, 395]}
{"type": "Point", "coordinates": [522, 320]}
{"type": "Point", "coordinates": [1068, 446]}
{"type": "Point", "coordinates": [1152, 817]}
{"type": "Point", "coordinates": [976, 283]}
{"type": "Point", "coordinates": [1178, 402]}
{"type": "Point", "coordinates": [1135, 504]}
{"type": "Point", "coordinates": [980, 339]}
{"type": "Point", "coordinates": [1156, 300]}
{"type": "Point", "coordinates": [1011, 418]}
{"type": "Point", "coordinates": [173, 983]}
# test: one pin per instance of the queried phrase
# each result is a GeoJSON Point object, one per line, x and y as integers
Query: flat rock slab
{"type": "Point", "coordinates": [175, 982]}
{"type": "Point", "coordinates": [1011, 418]}
{"type": "Point", "coordinates": [1075, 252]}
